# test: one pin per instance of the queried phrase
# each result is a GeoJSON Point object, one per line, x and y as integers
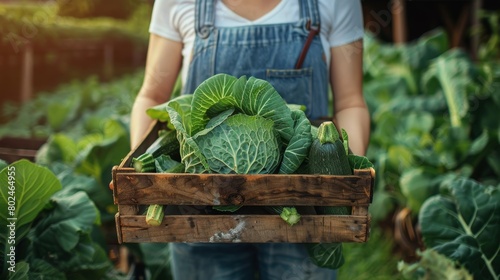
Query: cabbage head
{"type": "Point", "coordinates": [241, 144]}
{"type": "Point", "coordinates": [239, 126]}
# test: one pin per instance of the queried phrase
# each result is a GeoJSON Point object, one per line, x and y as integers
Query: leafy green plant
{"type": "Point", "coordinates": [51, 236]}
{"type": "Point", "coordinates": [24, 195]}
{"type": "Point", "coordinates": [90, 104]}
{"type": "Point", "coordinates": [83, 144]}
{"type": "Point", "coordinates": [432, 121]}
{"type": "Point", "coordinates": [433, 265]}
{"type": "Point", "coordinates": [39, 23]}
{"type": "Point", "coordinates": [462, 224]}
{"type": "Point", "coordinates": [97, 8]}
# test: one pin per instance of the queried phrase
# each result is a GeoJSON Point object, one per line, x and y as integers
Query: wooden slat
{"type": "Point", "coordinates": [359, 211]}
{"type": "Point", "coordinates": [122, 208]}
{"type": "Point", "coordinates": [224, 189]}
{"type": "Point", "coordinates": [245, 228]}
{"type": "Point", "coordinates": [128, 209]}
{"type": "Point", "coordinates": [367, 173]}
{"type": "Point", "coordinates": [118, 228]}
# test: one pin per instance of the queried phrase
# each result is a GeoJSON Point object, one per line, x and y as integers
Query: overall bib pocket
{"type": "Point", "coordinates": [294, 85]}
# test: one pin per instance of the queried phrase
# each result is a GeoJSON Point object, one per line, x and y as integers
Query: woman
{"type": "Point", "coordinates": [301, 47]}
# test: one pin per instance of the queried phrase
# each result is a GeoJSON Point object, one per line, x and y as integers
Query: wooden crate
{"type": "Point", "coordinates": [131, 190]}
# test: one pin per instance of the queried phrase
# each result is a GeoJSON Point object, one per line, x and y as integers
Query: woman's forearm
{"type": "Point", "coordinates": [139, 120]}
{"type": "Point", "coordinates": [351, 112]}
{"type": "Point", "coordinates": [356, 121]}
{"type": "Point", "coordinates": [162, 69]}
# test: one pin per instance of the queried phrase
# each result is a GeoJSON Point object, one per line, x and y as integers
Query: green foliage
{"type": "Point", "coordinates": [87, 107]}
{"type": "Point", "coordinates": [52, 229]}
{"type": "Point", "coordinates": [489, 50]}
{"type": "Point", "coordinates": [40, 23]}
{"type": "Point", "coordinates": [74, 182]}
{"type": "Point", "coordinates": [328, 255]}
{"type": "Point", "coordinates": [452, 74]}
{"type": "Point", "coordinates": [359, 162]}
{"type": "Point", "coordinates": [298, 147]}
{"type": "Point", "coordinates": [97, 8]}
{"type": "Point", "coordinates": [372, 260]}
{"type": "Point", "coordinates": [85, 139]}
{"type": "Point", "coordinates": [156, 257]}
{"type": "Point", "coordinates": [22, 191]}
{"type": "Point", "coordinates": [433, 265]}
{"type": "Point", "coordinates": [85, 164]}
{"type": "Point", "coordinates": [97, 158]}
{"type": "Point", "coordinates": [3, 164]}
{"type": "Point", "coordinates": [417, 184]}
{"type": "Point", "coordinates": [434, 119]}
{"type": "Point", "coordinates": [433, 116]}
{"type": "Point", "coordinates": [57, 233]}
{"type": "Point", "coordinates": [463, 223]}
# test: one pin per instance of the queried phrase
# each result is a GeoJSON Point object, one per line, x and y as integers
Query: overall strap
{"type": "Point", "coordinates": [309, 10]}
{"type": "Point", "coordinates": [204, 17]}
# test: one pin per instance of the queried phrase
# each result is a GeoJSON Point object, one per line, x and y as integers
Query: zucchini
{"type": "Point", "coordinates": [165, 144]}
{"type": "Point", "coordinates": [155, 214]}
{"type": "Point", "coordinates": [327, 155]}
{"type": "Point", "coordinates": [144, 163]}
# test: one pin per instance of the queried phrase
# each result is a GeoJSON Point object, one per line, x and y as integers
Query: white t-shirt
{"type": "Point", "coordinates": [341, 22]}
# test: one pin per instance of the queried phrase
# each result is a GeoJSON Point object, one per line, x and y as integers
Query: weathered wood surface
{"type": "Point", "coordinates": [244, 228]}
{"type": "Point", "coordinates": [224, 189]}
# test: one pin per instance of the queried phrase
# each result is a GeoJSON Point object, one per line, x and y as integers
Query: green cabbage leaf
{"type": "Point", "coordinates": [464, 224]}
{"type": "Point", "coordinates": [242, 144]}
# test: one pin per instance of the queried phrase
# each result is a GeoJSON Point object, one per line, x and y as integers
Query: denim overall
{"type": "Point", "coordinates": [268, 52]}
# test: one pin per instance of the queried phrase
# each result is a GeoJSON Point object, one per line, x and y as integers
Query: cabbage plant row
{"type": "Point", "coordinates": [435, 143]}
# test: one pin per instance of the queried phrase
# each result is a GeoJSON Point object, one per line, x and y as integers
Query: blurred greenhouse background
{"type": "Point", "coordinates": [69, 73]}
